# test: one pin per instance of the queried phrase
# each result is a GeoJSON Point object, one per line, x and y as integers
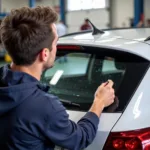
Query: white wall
{"type": "Point", "coordinates": [47, 3]}
{"type": "Point", "coordinates": [122, 11]}
{"type": "Point", "coordinates": [100, 18]}
{"type": "Point", "coordinates": [74, 19]}
{"type": "Point", "coordinates": [7, 5]}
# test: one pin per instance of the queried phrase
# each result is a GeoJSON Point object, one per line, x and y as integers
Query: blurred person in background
{"type": "Point", "coordinates": [61, 30]}
{"type": "Point", "coordinates": [141, 22]}
{"type": "Point", "coordinates": [85, 25]}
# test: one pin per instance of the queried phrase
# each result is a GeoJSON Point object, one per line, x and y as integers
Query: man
{"type": "Point", "coordinates": [86, 25]}
{"type": "Point", "coordinates": [30, 118]}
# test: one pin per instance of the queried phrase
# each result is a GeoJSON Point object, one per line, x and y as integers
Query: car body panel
{"type": "Point", "coordinates": [136, 115]}
{"type": "Point", "coordinates": [112, 40]}
{"type": "Point", "coordinates": [137, 34]}
{"type": "Point", "coordinates": [104, 127]}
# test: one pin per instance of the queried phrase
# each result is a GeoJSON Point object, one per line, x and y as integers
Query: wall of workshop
{"type": "Point", "coordinates": [7, 5]}
{"type": "Point", "coordinates": [122, 10]}
{"type": "Point", "coordinates": [74, 19]}
{"type": "Point", "coordinates": [100, 17]}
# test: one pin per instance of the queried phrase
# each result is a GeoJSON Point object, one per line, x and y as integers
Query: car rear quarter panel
{"type": "Point", "coordinates": [107, 121]}
{"type": "Point", "coordinates": [137, 113]}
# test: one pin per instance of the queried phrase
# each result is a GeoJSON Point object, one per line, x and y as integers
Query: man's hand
{"type": "Point", "coordinates": [104, 97]}
{"type": "Point", "coordinates": [105, 94]}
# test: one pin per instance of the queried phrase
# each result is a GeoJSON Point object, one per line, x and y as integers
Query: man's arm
{"type": "Point", "coordinates": [66, 133]}
{"type": "Point", "coordinates": [104, 97]}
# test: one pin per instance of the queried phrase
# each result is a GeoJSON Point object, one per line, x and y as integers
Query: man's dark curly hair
{"type": "Point", "coordinates": [26, 31]}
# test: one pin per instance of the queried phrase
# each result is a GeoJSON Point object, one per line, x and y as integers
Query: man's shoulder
{"type": "Point", "coordinates": [39, 105]}
{"type": "Point", "coordinates": [50, 101]}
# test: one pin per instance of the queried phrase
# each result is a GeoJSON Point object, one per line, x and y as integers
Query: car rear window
{"type": "Point", "coordinates": [77, 74]}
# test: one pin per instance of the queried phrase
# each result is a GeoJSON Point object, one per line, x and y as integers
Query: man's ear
{"type": "Point", "coordinates": [44, 54]}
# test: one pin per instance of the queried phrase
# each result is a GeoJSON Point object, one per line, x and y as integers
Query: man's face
{"type": "Point", "coordinates": [52, 52]}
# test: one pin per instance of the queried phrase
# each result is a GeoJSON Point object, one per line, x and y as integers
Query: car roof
{"type": "Point", "coordinates": [128, 40]}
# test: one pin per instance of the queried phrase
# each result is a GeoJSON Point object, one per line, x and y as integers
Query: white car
{"type": "Point", "coordinates": [84, 61]}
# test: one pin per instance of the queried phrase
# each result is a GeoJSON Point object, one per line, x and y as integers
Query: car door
{"type": "Point", "coordinates": [75, 81]}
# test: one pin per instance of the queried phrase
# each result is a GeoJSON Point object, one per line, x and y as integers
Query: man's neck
{"type": "Point", "coordinates": [31, 70]}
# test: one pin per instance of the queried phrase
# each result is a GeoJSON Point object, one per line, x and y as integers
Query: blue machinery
{"type": "Point", "coordinates": [138, 11]}
{"type": "Point", "coordinates": [62, 10]}
{"type": "Point", "coordinates": [32, 3]}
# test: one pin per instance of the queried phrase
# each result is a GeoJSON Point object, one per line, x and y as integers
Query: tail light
{"type": "Point", "coordinates": [130, 140]}
{"type": "Point", "coordinates": [68, 47]}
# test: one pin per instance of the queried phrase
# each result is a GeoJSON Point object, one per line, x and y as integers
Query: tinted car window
{"type": "Point", "coordinates": [77, 79]}
{"type": "Point", "coordinates": [75, 64]}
